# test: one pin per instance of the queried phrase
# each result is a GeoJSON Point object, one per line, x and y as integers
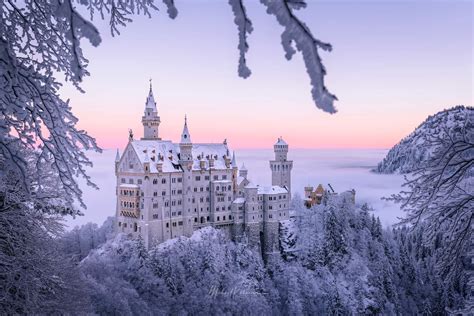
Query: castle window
{"type": "Point", "coordinates": [155, 181]}
{"type": "Point", "coordinates": [130, 181]}
{"type": "Point", "coordinates": [179, 213]}
{"type": "Point", "coordinates": [202, 219]}
{"type": "Point", "coordinates": [179, 202]}
{"type": "Point", "coordinates": [167, 203]}
{"type": "Point", "coordinates": [173, 192]}
{"type": "Point", "coordinates": [180, 191]}
{"type": "Point", "coordinates": [224, 177]}
{"type": "Point", "coordinates": [195, 220]}
{"type": "Point", "coordinates": [206, 178]}
{"type": "Point", "coordinates": [139, 181]}
{"type": "Point", "coordinates": [208, 218]}
{"type": "Point", "coordinates": [217, 188]}
{"type": "Point", "coordinates": [229, 187]}
{"type": "Point", "coordinates": [180, 180]}
{"type": "Point", "coordinates": [163, 181]}
{"type": "Point", "coordinates": [174, 224]}
{"type": "Point", "coordinates": [155, 193]}
{"type": "Point", "coordinates": [180, 223]}
{"type": "Point", "coordinates": [217, 209]}
{"type": "Point", "coordinates": [201, 189]}
{"type": "Point", "coordinates": [125, 225]}
{"type": "Point", "coordinates": [198, 178]}
{"type": "Point", "coordinates": [173, 203]}
{"type": "Point", "coordinates": [230, 217]}
{"type": "Point", "coordinates": [173, 180]}
{"type": "Point", "coordinates": [120, 224]}
{"type": "Point", "coordinates": [195, 189]}
{"type": "Point", "coordinates": [130, 166]}
{"type": "Point", "coordinates": [218, 218]}
{"type": "Point", "coordinates": [207, 189]}
{"type": "Point", "coordinates": [167, 225]}
{"type": "Point", "coordinates": [223, 218]}
{"type": "Point", "coordinates": [270, 207]}
{"type": "Point", "coordinates": [270, 216]}
{"type": "Point", "coordinates": [228, 207]}
{"type": "Point", "coordinates": [163, 193]}
{"type": "Point", "coordinates": [135, 227]}
{"type": "Point", "coordinates": [216, 177]}
{"type": "Point", "coordinates": [155, 216]}
{"type": "Point", "coordinates": [122, 180]}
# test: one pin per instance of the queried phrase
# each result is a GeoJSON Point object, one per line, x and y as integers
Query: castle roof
{"type": "Point", "coordinates": [150, 101]}
{"type": "Point", "coordinates": [274, 189]}
{"type": "Point", "coordinates": [185, 136]}
{"type": "Point", "coordinates": [280, 141]}
{"type": "Point", "coordinates": [167, 153]}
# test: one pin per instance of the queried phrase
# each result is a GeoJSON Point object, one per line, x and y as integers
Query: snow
{"type": "Point", "coordinates": [271, 190]}
{"type": "Point", "coordinates": [126, 185]}
{"type": "Point", "coordinates": [239, 200]}
{"type": "Point", "coordinates": [280, 141]}
{"type": "Point", "coordinates": [344, 169]}
{"type": "Point", "coordinates": [169, 152]}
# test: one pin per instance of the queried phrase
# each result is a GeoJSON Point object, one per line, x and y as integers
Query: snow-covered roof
{"type": "Point", "coordinates": [280, 141]}
{"type": "Point", "coordinates": [240, 180]}
{"type": "Point", "coordinates": [274, 189]}
{"type": "Point", "coordinates": [221, 181]}
{"type": "Point", "coordinates": [239, 200]}
{"type": "Point", "coordinates": [166, 153]}
{"type": "Point", "coordinates": [129, 186]}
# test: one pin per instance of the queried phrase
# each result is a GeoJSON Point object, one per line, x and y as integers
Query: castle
{"type": "Point", "coordinates": [166, 190]}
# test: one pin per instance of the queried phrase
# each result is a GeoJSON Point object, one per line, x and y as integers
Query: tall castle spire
{"type": "Point", "coordinates": [185, 136]}
{"type": "Point", "coordinates": [150, 119]}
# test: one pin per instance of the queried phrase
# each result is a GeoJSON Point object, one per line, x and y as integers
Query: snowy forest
{"type": "Point", "coordinates": [336, 258]}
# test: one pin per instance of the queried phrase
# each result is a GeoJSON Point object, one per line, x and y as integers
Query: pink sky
{"type": "Point", "coordinates": [393, 64]}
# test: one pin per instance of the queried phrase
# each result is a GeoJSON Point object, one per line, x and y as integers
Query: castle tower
{"type": "Point", "coordinates": [150, 118]}
{"type": "Point", "coordinates": [243, 172]}
{"type": "Point", "coordinates": [234, 172]}
{"type": "Point", "coordinates": [186, 161]}
{"type": "Point", "coordinates": [281, 167]}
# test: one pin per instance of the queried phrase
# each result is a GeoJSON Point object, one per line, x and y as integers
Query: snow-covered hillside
{"type": "Point", "coordinates": [413, 150]}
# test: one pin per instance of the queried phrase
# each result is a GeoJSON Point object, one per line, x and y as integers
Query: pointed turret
{"type": "Point", "coordinates": [234, 162]}
{"type": "Point", "coordinates": [185, 136]}
{"type": "Point", "coordinates": [150, 120]}
{"type": "Point", "coordinates": [243, 171]}
{"type": "Point", "coordinates": [150, 101]}
{"type": "Point", "coordinates": [117, 161]}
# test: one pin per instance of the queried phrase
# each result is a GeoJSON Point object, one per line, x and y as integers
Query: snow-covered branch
{"type": "Point", "coordinates": [244, 26]}
{"type": "Point", "coordinates": [296, 32]}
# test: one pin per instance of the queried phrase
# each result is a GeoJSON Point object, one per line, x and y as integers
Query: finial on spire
{"type": "Point", "coordinates": [150, 84]}
{"type": "Point", "coordinates": [117, 156]}
{"type": "Point", "coordinates": [185, 119]}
